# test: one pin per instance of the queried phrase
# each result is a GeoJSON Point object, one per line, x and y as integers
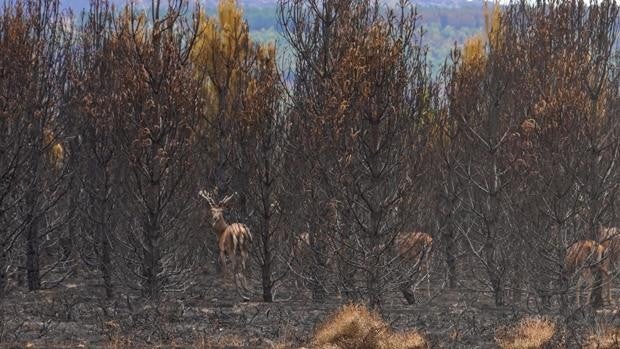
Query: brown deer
{"type": "Point", "coordinates": [234, 240]}
{"type": "Point", "coordinates": [586, 258]}
{"type": "Point", "coordinates": [609, 238]}
{"type": "Point", "coordinates": [415, 248]}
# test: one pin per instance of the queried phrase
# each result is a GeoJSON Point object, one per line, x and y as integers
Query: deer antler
{"type": "Point", "coordinates": [207, 196]}
{"type": "Point", "coordinates": [225, 200]}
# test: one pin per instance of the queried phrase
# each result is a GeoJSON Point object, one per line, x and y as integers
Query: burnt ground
{"type": "Point", "coordinates": [210, 315]}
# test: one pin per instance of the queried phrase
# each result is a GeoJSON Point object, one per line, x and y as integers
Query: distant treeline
{"type": "Point", "coordinates": [443, 26]}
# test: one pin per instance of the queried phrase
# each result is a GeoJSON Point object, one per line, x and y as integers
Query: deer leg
{"type": "Point", "coordinates": [233, 265]}
{"type": "Point", "coordinates": [606, 288]}
{"type": "Point", "coordinates": [244, 281]}
{"type": "Point", "coordinates": [238, 278]}
{"type": "Point", "coordinates": [244, 256]}
{"type": "Point", "coordinates": [223, 262]}
{"type": "Point", "coordinates": [610, 276]}
{"type": "Point", "coordinates": [235, 272]}
{"type": "Point", "coordinates": [237, 288]}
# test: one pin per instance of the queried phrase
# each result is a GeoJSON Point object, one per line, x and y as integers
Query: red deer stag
{"type": "Point", "coordinates": [415, 249]}
{"type": "Point", "coordinates": [609, 238]}
{"type": "Point", "coordinates": [586, 259]}
{"type": "Point", "coordinates": [233, 240]}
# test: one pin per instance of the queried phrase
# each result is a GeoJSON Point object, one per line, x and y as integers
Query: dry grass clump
{"type": "Point", "coordinates": [405, 340]}
{"type": "Point", "coordinates": [354, 326]}
{"type": "Point", "coordinates": [529, 333]}
{"type": "Point", "coordinates": [604, 338]}
{"type": "Point", "coordinates": [119, 342]}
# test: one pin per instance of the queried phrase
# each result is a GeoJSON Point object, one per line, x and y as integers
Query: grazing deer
{"type": "Point", "coordinates": [586, 258]}
{"type": "Point", "coordinates": [415, 248]}
{"type": "Point", "coordinates": [233, 240]}
{"type": "Point", "coordinates": [609, 238]}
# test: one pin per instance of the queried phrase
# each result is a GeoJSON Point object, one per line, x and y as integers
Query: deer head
{"type": "Point", "coordinates": [217, 209]}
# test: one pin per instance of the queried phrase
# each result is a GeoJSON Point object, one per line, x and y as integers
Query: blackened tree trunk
{"type": "Point", "coordinates": [266, 267]}
{"type": "Point", "coordinates": [33, 272]}
{"type": "Point", "coordinates": [151, 263]}
{"type": "Point", "coordinates": [3, 269]}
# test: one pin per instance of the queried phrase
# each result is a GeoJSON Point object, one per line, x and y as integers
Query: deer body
{"type": "Point", "coordinates": [586, 259]}
{"type": "Point", "coordinates": [415, 248]}
{"type": "Point", "coordinates": [234, 241]}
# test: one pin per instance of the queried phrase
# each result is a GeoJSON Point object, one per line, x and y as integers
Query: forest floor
{"type": "Point", "coordinates": [210, 315]}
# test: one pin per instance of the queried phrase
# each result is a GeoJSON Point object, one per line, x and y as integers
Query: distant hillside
{"type": "Point", "coordinates": [78, 5]}
{"type": "Point", "coordinates": [445, 22]}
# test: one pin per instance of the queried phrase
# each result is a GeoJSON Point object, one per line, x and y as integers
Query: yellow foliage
{"type": "Point", "coordinates": [474, 51]}
{"type": "Point", "coordinates": [223, 43]}
{"type": "Point", "coordinates": [492, 24]}
{"type": "Point", "coordinates": [354, 326]}
{"type": "Point", "coordinates": [474, 54]}
{"type": "Point", "coordinates": [529, 333]}
{"type": "Point", "coordinates": [222, 39]}
{"type": "Point", "coordinates": [56, 152]}
{"type": "Point", "coordinates": [267, 55]}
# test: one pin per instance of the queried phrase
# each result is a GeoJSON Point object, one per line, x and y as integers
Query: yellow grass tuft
{"type": "Point", "coordinates": [405, 340]}
{"type": "Point", "coordinates": [604, 338]}
{"type": "Point", "coordinates": [119, 342]}
{"type": "Point", "coordinates": [529, 333]}
{"type": "Point", "coordinates": [354, 326]}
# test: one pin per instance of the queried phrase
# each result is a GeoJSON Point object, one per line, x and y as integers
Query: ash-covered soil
{"type": "Point", "coordinates": [75, 314]}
